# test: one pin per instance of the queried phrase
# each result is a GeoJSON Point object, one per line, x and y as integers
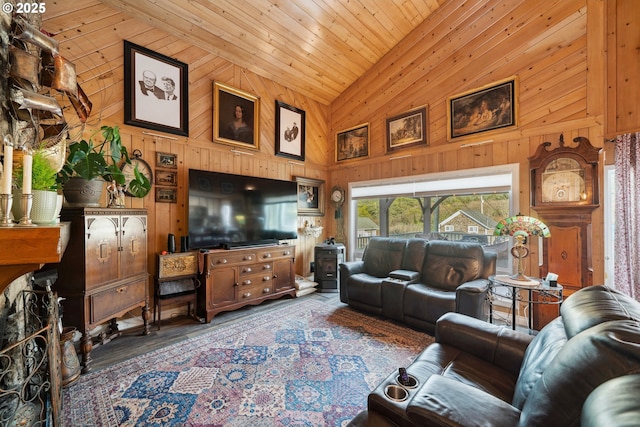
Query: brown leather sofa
{"type": "Point", "coordinates": [416, 281]}
{"type": "Point", "coordinates": [477, 373]}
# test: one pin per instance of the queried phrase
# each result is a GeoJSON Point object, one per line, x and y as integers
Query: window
{"type": "Point", "coordinates": [451, 206]}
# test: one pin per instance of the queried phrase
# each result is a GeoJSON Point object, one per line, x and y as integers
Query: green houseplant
{"type": "Point", "coordinates": [45, 204]}
{"type": "Point", "coordinates": [89, 163]}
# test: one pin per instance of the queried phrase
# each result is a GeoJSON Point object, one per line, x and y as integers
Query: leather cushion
{"type": "Point", "coordinates": [427, 303]}
{"type": "Point", "coordinates": [622, 411]}
{"type": "Point", "coordinates": [589, 359]}
{"type": "Point", "coordinates": [382, 256]}
{"type": "Point", "coordinates": [365, 288]}
{"type": "Point", "coordinates": [449, 264]}
{"type": "Point", "coordinates": [594, 305]}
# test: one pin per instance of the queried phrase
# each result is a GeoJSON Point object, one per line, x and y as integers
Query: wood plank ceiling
{"type": "Point", "coordinates": [315, 47]}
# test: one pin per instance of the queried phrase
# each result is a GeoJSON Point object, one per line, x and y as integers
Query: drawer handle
{"type": "Point", "coordinates": [286, 253]}
{"type": "Point", "coordinates": [247, 270]}
{"type": "Point", "coordinates": [246, 282]}
{"type": "Point", "coordinates": [222, 261]}
{"type": "Point", "coordinates": [121, 290]}
{"type": "Point", "coordinates": [275, 276]}
{"type": "Point", "coordinates": [266, 267]}
{"type": "Point", "coordinates": [246, 295]}
{"type": "Point", "coordinates": [266, 256]}
{"type": "Point", "coordinates": [248, 258]}
{"type": "Point", "coordinates": [266, 290]}
{"type": "Point", "coordinates": [266, 278]}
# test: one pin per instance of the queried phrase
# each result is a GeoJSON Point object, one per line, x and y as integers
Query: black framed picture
{"type": "Point", "coordinates": [310, 196]}
{"type": "Point", "coordinates": [166, 195]}
{"type": "Point", "coordinates": [166, 178]}
{"type": "Point", "coordinates": [480, 110]}
{"type": "Point", "coordinates": [290, 131]}
{"type": "Point", "coordinates": [352, 143]}
{"type": "Point", "coordinates": [156, 91]}
{"type": "Point", "coordinates": [166, 160]}
{"type": "Point", "coordinates": [408, 129]}
{"type": "Point", "coordinates": [236, 117]}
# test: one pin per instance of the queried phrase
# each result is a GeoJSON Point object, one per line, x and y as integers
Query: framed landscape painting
{"type": "Point", "coordinates": [236, 115]}
{"type": "Point", "coordinates": [352, 143]}
{"type": "Point", "coordinates": [481, 110]}
{"type": "Point", "coordinates": [156, 91]}
{"type": "Point", "coordinates": [290, 131]}
{"type": "Point", "coordinates": [407, 129]}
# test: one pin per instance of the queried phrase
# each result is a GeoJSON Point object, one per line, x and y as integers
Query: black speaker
{"type": "Point", "coordinates": [184, 243]}
{"type": "Point", "coordinates": [171, 243]}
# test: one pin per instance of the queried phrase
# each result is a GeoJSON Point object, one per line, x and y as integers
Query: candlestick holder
{"type": "Point", "coordinates": [6, 202]}
{"type": "Point", "coordinates": [27, 203]}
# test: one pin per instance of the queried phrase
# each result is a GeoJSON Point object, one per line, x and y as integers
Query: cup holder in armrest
{"type": "Point", "coordinates": [396, 393]}
{"type": "Point", "coordinates": [413, 382]}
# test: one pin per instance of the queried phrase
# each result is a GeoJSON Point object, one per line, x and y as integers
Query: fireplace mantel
{"type": "Point", "coordinates": [27, 249]}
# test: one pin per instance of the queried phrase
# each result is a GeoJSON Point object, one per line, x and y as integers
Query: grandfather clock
{"type": "Point", "coordinates": [564, 193]}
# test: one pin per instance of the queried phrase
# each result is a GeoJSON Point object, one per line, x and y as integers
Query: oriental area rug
{"type": "Point", "coordinates": [306, 363]}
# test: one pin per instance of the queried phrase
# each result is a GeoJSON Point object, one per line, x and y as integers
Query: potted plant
{"type": "Point", "coordinates": [45, 205]}
{"type": "Point", "coordinates": [89, 164]}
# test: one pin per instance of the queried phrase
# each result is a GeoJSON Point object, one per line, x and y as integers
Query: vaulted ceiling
{"type": "Point", "coordinates": [315, 47]}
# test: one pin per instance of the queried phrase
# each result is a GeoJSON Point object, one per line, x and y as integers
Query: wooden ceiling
{"type": "Point", "coordinates": [315, 47]}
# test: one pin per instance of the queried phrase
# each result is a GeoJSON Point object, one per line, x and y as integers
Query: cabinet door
{"type": "Point", "coordinates": [133, 243]}
{"type": "Point", "coordinates": [221, 286]}
{"type": "Point", "coordinates": [283, 278]}
{"type": "Point", "coordinates": [102, 260]}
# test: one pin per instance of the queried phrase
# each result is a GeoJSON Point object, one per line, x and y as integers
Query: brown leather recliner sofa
{"type": "Point", "coordinates": [478, 374]}
{"type": "Point", "coordinates": [416, 281]}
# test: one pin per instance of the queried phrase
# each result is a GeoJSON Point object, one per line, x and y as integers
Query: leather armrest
{"type": "Point", "coordinates": [471, 299]}
{"type": "Point", "coordinates": [351, 267]}
{"type": "Point", "coordinates": [347, 269]}
{"type": "Point", "coordinates": [498, 345]}
{"type": "Point", "coordinates": [443, 401]}
{"type": "Point", "coordinates": [407, 275]}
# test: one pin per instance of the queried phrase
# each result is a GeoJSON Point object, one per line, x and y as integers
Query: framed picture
{"type": "Point", "coordinates": [353, 143]}
{"type": "Point", "coordinates": [310, 196]}
{"type": "Point", "coordinates": [166, 195]}
{"type": "Point", "coordinates": [156, 91]}
{"type": "Point", "coordinates": [290, 131]}
{"type": "Point", "coordinates": [166, 160]}
{"type": "Point", "coordinates": [166, 178]}
{"type": "Point", "coordinates": [236, 117]}
{"type": "Point", "coordinates": [481, 110]}
{"type": "Point", "coordinates": [407, 129]}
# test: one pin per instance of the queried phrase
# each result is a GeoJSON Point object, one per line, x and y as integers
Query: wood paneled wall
{"type": "Point", "coordinates": [554, 48]}
{"type": "Point", "coordinates": [91, 35]}
{"type": "Point", "coordinates": [555, 51]}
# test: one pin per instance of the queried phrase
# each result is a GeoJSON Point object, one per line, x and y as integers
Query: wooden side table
{"type": "Point", "coordinates": [176, 282]}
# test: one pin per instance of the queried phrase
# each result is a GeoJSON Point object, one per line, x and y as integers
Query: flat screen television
{"type": "Point", "coordinates": [228, 211]}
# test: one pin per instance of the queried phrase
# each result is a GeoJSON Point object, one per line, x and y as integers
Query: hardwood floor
{"type": "Point", "coordinates": [132, 343]}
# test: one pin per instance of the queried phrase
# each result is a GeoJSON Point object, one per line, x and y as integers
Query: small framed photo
{"type": "Point", "coordinates": [407, 129]}
{"type": "Point", "coordinates": [353, 143]}
{"type": "Point", "coordinates": [236, 117]}
{"type": "Point", "coordinates": [310, 196]}
{"type": "Point", "coordinates": [480, 110]}
{"type": "Point", "coordinates": [156, 91]}
{"type": "Point", "coordinates": [166, 195]}
{"type": "Point", "coordinates": [166, 178]}
{"type": "Point", "coordinates": [166, 160]}
{"type": "Point", "coordinates": [290, 131]}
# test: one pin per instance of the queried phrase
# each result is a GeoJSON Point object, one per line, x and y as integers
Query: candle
{"type": "Point", "coordinates": [27, 163]}
{"type": "Point", "coordinates": [8, 169]}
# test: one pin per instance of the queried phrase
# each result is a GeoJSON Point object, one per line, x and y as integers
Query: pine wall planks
{"type": "Point", "coordinates": [555, 49]}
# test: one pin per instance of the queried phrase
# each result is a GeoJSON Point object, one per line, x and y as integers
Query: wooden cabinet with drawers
{"type": "Point", "coordinates": [238, 277]}
{"type": "Point", "coordinates": [103, 273]}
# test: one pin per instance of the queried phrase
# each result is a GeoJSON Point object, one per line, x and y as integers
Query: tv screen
{"type": "Point", "coordinates": [229, 211]}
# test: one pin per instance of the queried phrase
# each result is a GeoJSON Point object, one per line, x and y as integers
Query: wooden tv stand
{"type": "Point", "coordinates": [235, 278]}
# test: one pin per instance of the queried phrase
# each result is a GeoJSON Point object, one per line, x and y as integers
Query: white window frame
{"type": "Point", "coordinates": [498, 179]}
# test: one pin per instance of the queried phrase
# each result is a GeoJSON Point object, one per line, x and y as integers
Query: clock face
{"type": "Point", "coordinates": [128, 171]}
{"type": "Point", "coordinates": [336, 196]}
{"type": "Point", "coordinates": [563, 181]}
